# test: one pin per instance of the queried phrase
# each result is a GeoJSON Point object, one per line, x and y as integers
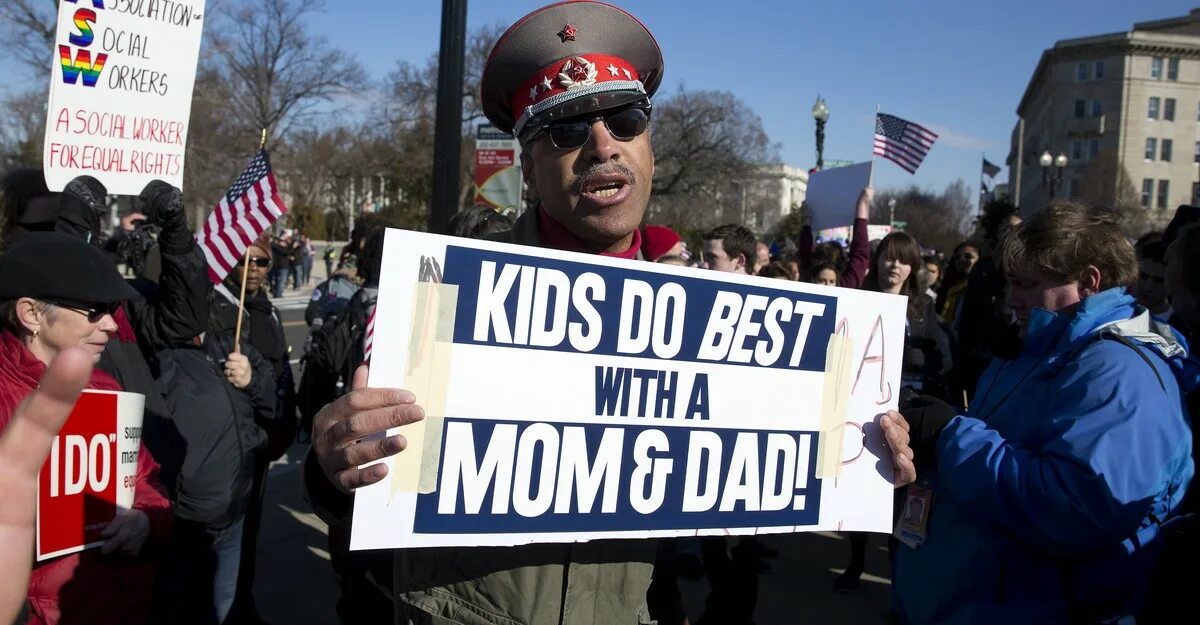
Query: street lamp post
{"type": "Point", "coordinates": [892, 212]}
{"type": "Point", "coordinates": [820, 113]}
{"type": "Point", "coordinates": [1052, 171]}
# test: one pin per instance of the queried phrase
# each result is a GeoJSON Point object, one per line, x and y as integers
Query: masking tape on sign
{"type": "Point", "coordinates": [835, 406]}
{"type": "Point", "coordinates": [427, 375]}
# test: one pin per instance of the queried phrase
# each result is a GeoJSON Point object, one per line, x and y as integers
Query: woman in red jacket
{"type": "Point", "coordinates": [57, 292]}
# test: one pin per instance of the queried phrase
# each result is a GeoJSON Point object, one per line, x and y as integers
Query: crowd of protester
{"type": "Point", "coordinates": [1065, 287]}
{"type": "Point", "coordinates": [1043, 450]}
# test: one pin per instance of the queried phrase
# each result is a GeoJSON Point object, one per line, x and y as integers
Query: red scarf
{"type": "Point", "coordinates": [21, 372]}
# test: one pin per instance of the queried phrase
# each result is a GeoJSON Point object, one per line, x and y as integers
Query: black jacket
{"type": "Point", "coordinates": [927, 355]}
{"type": "Point", "coordinates": [210, 478]}
{"type": "Point", "coordinates": [168, 315]}
{"type": "Point", "coordinates": [262, 328]}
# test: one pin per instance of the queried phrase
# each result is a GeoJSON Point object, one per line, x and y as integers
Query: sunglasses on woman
{"type": "Point", "coordinates": [623, 124]}
{"type": "Point", "coordinates": [262, 262]}
{"type": "Point", "coordinates": [93, 312]}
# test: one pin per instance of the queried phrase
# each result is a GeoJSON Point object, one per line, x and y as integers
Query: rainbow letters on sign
{"type": "Point", "coordinates": [81, 63]}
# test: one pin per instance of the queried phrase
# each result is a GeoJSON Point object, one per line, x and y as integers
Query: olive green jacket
{"type": "Point", "coordinates": [601, 582]}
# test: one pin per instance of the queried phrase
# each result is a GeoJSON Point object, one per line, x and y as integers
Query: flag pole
{"type": "Point", "coordinates": [262, 142]}
{"type": "Point", "coordinates": [871, 174]}
{"type": "Point", "coordinates": [237, 334]}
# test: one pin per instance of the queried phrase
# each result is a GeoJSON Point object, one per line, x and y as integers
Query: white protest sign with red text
{"type": "Point", "coordinates": [91, 473]}
{"type": "Point", "coordinates": [121, 92]}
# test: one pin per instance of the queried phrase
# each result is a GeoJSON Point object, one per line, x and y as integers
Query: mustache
{"type": "Point", "coordinates": [582, 181]}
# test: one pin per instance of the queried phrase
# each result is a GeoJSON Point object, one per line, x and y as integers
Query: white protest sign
{"type": "Point", "coordinates": [121, 92]}
{"type": "Point", "coordinates": [833, 194]}
{"type": "Point", "coordinates": [572, 397]}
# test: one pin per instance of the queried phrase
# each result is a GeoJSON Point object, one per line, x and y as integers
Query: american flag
{"type": "Point", "coordinates": [247, 210]}
{"type": "Point", "coordinates": [902, 142]}
{"type": "Point", "coordinates": [369, 335]}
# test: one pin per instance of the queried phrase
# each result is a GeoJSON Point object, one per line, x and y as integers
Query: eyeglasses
{"type": "Point", "coordinates": [261, 262]}
{"type": "Point", "coordinates": [93, 312]}
{"type": "Point", "coordinates": [623, 124]}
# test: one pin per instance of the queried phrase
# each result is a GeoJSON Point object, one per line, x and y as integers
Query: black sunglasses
{"type": "Point", "coordinates": [260, 261]}
{"type": "Point", "coordinates": [571, 134]}
{"type": "Point", "coordinates": [93, 312]}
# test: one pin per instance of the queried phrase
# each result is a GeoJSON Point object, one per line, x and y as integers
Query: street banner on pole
{"type": "Point", "coordinates": [497, 169]}
{"type": "Point", "coordinates": [121, 92]}
{"type": "Point", "coordinates": [91, 473]}
{"type": "Point", "coordinates": [572, 397]}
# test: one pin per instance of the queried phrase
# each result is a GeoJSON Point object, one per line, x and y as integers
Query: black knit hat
{"type": "Point", "coordinates": [57, 267]}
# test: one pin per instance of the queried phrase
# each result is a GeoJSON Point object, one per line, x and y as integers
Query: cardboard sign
{"type": "Point", "coordinates": [833, 194]}
{"type": "Point", "coordinates": [91, 473]}
{"type": "Point", "coordinates": [572, 397]}
{"type": "Point", "coordinates": [121, 92]}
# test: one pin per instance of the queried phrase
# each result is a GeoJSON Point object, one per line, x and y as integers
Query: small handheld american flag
{"type": "Point", "coordinates": [247, 210]}
{"type": "Point", "coordinates": [369, 335]}
{"type": "Point", "coordinates": [902, 142]}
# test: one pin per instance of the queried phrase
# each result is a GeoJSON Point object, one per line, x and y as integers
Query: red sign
{"type": "Point", "coordinates": [79, 484]}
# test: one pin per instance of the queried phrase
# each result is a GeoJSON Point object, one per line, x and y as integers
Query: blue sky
{"type": "Point", "coordinates": [959, 67]}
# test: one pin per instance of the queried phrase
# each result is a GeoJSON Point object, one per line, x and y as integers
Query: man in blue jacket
{"type": "Point", "coordinates": [1048, 494]}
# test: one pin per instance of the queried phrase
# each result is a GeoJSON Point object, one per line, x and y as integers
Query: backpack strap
{"type": "Point", "coordinates": [1138, 350]}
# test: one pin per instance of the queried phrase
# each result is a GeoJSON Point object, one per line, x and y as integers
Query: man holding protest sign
{"type": "Point", "coordinates": [573, 82]}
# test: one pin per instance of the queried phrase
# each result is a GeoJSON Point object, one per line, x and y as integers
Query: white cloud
{"type": "Point", "coordinates": [953, 139]}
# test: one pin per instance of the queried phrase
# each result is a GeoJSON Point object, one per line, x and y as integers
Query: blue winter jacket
{"type": "Point", "coordinates": [1050, 490]}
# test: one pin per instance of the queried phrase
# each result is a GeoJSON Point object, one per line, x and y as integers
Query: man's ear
{"type": "Point", "coordinates": [527, 167]}
{"type": "Point", "coordinates": [1089, 281]}
{"type": "Point", "coordinates": [740, 263]}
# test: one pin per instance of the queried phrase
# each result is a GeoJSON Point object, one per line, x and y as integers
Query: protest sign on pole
{"type": "Point", "coordinates": [91, 473]}
{"type": "Point", "coordinates": [573, 397]}
{"type": "Point", "coordinates": [833, 193]}
{"type": "Point", "coordinates": [121, 92]}
{"type": "Point", "coordinates": [497, 169]}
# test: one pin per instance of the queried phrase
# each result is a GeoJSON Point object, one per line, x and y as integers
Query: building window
{"type": "Point", "coordinates": [1167, 144]}
{"type": "Point", "coordinates": [1195, 193]}
{"type": "Point", "coordinates": [1156, 64]}
{"type": "Point", "coordinates": [1151, 148]}
{"type": "Point", "coordinates": [1169, 109]}
{"type": "Point", "coordinates": [1097, 108]}
{"type": "Point", "coordinates": [1173, 69]}
{"type": "Point", "coordinates": [1093, 147]}
{"type": "Point", "coordinates": [1152, 107]}
{"type": "Point", "coordinates": [1164, 190]}
{"type": "Point", "coordinates": [1080, 108]}
{"type": "Point", "coordinates": [1076, 149]}
{"type": "Point", "coordinates": [1147, 191]}
{"type": "Point", "coordinates": [1081, 72]}
{"type": "Point", "coordinates": [1196, 158]}
{"type": "Point", "coordinates": [1099, 70]}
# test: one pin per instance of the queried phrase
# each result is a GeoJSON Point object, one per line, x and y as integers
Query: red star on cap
{"type": "Point", "coordinates": [567, 33]}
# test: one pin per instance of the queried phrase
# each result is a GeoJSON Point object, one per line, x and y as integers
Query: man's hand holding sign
{"type": "Point", "coordinates": [346, 433]}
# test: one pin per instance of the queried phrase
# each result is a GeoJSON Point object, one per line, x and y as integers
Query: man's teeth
{"type": "Point", "coordinates": [607, 191]}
